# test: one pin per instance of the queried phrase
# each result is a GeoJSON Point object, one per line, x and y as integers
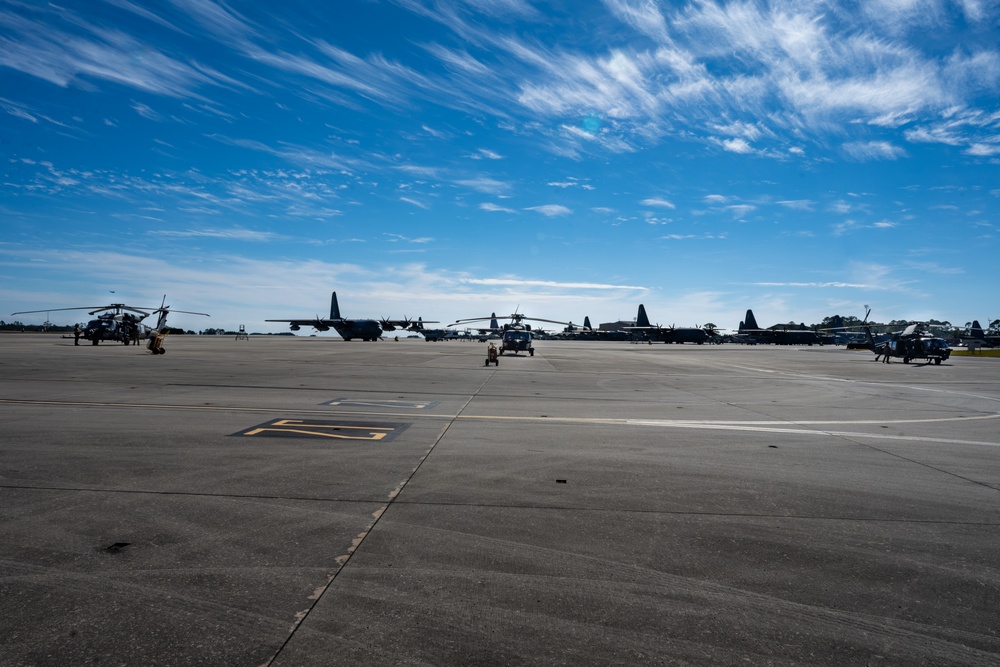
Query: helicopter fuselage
{"type": "Point", "coordinates": [516, 340]}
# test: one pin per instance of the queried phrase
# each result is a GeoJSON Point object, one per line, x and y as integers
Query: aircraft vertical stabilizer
{"type": "Point", "coordinates": [870, 340]}
{"type": "Point", "coordinates": [334, 308]}
{"type": "Point", "coordinates": [641, 320]}
{"type": "Point", "coordinates": [977, 331]}
{"type": "Point", "coordinates": [493, 322]}
{"type": "Point", "coordinates": [750, 322]}
{"type": "Point", "coordinates": [586, 323]}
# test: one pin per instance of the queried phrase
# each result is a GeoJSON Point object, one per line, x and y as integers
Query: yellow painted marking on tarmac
{"type": "Point", "coordinates": [305, 428]}
{"type": "Point", "coordinates": [318, 434]}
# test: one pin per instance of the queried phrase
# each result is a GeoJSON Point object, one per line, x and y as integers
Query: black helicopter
{"type": "Point", "coordinates": [516, 336]}
{"type": "Point", "coordinates": [913, 342]}
{"type": "Point", "coordinates": [121, 323]}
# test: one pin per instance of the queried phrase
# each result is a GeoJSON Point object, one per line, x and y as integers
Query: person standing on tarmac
{"type": "Point", "coordinates": [76, 334]}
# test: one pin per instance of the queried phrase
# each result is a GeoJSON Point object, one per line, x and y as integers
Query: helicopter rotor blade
{"type": "Point", "coordinates": [53, 310]}
{"type": "Point", "coordinates": [188, 312]}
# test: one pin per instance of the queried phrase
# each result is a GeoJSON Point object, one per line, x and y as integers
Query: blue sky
{"type": "Point", "coordinates": [449, 158]}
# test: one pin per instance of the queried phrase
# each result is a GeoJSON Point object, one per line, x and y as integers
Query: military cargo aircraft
{"type": "Point", "coordinates": [672, 334]}
{"type": "Point", "coordinates": [977, 337]}
{"type": "Point", "coordinates": [779, 334]}
{"type": "Point", "coordinates": [365, 329]}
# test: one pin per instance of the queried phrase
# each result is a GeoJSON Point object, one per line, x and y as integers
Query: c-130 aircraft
{"type": "Point", "coordinates": [365, 329]}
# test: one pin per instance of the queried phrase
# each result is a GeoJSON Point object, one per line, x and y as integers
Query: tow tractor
{"type": "Point", "coordinates": [155, 344]}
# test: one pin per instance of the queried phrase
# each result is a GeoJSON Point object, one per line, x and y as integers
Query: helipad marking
{"type": "Point", "coordinates": [317, 428]}
{"type": "Point", "coordinates": [356, 403]}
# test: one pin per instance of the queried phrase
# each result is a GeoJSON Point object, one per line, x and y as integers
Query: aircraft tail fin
{"type": "Point", "coordinates": [161, 321]}
{"type": "Point", "coordinates": [870, 340]}
{"type": "Point", "coordinates": [334, 308]}
{"type": "Point", "coordinates": [750, 322]}
{"type": "Point", "coordinates": [977, 331]}
{"type": "Point", "coordinates": [641, 320]}
{"type": "Point", "coordinates": [586, 323]}
{"type": "Point", "coordinates": [493, 322]}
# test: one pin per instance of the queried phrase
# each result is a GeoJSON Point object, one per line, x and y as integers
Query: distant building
{"type": "Point", "coordinates": [615, 326]}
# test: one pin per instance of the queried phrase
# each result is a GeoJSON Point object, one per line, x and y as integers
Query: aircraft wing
{"type": "Point", "coordinates": [406, 323]}
{"type": "Point", "coordinates": [317, 323]}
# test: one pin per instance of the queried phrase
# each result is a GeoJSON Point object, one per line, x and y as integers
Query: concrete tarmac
{"type": "Point", "coordinates": [308, 501]}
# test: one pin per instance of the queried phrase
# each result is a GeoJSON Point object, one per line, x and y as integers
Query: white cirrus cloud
{"type": "Point", "coordinates": [547, 283]}
{"type": "Point", "coordinates": [231, 234]}
{"type": "Point", "coordinates": [816, 285]}
{"type": "Point", "coordinates": [486, 154]}
{"type": "Point", "coordinates": [866, 151]}
{"type": "Point", "coordinates": [736, 145]}
{"type": "Point", "coordinates": [489, 186]}
{"type": "Point", "coordinates": [688, 237]}
{"type": "Point", "coordinates": [983, 150]}
{"type": "Point", "coordinates": [487, 206]}
{"type": "Point", "coordinates": [797, 204]}
{"type": "Point", "coordinates": [418, 204]}
{"type": "Point", "coordinates": [550, 210]}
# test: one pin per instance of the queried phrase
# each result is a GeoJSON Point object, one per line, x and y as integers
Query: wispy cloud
{"type": "Point", "coordinates": [736, 145]}
{"type": "Point", "coordinates": [817, 285]}
{"type": "Point", "coordinates": [984, 150]}
{"type": "Point", "coordinates": [228, 234]}
{"type": "Point", "coordinates": [550, 210]}
{"type": "Point", "coordinates": [740, 211]}
{"type": "Point", "coordinates": [571, 183]}
{"type": "Point", "coordinates": [415, 202]}
{"type": "Point", "coordinates": [797, 204]}
{"type": "Point", "coordinates": [399, 238]}
{"type": "Point", "coordinates": [521, 282]}
{"type": "Point", "coordinates": [658, 202]}
{"type": "Point", "coordinates": [487, 185]}
{"type": "Point", "coordinates": [35, 46]}
{"type": "Point", "coordinates": [847, 226]}
{"type": "Point", "coordinates": [487, 206]}
{"type": "Point", "coordinates": [873, 150]}
{"type": "Point", "coordinates": [486, 154]}
{"type": "Point", "coordinates": [689, 237]}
